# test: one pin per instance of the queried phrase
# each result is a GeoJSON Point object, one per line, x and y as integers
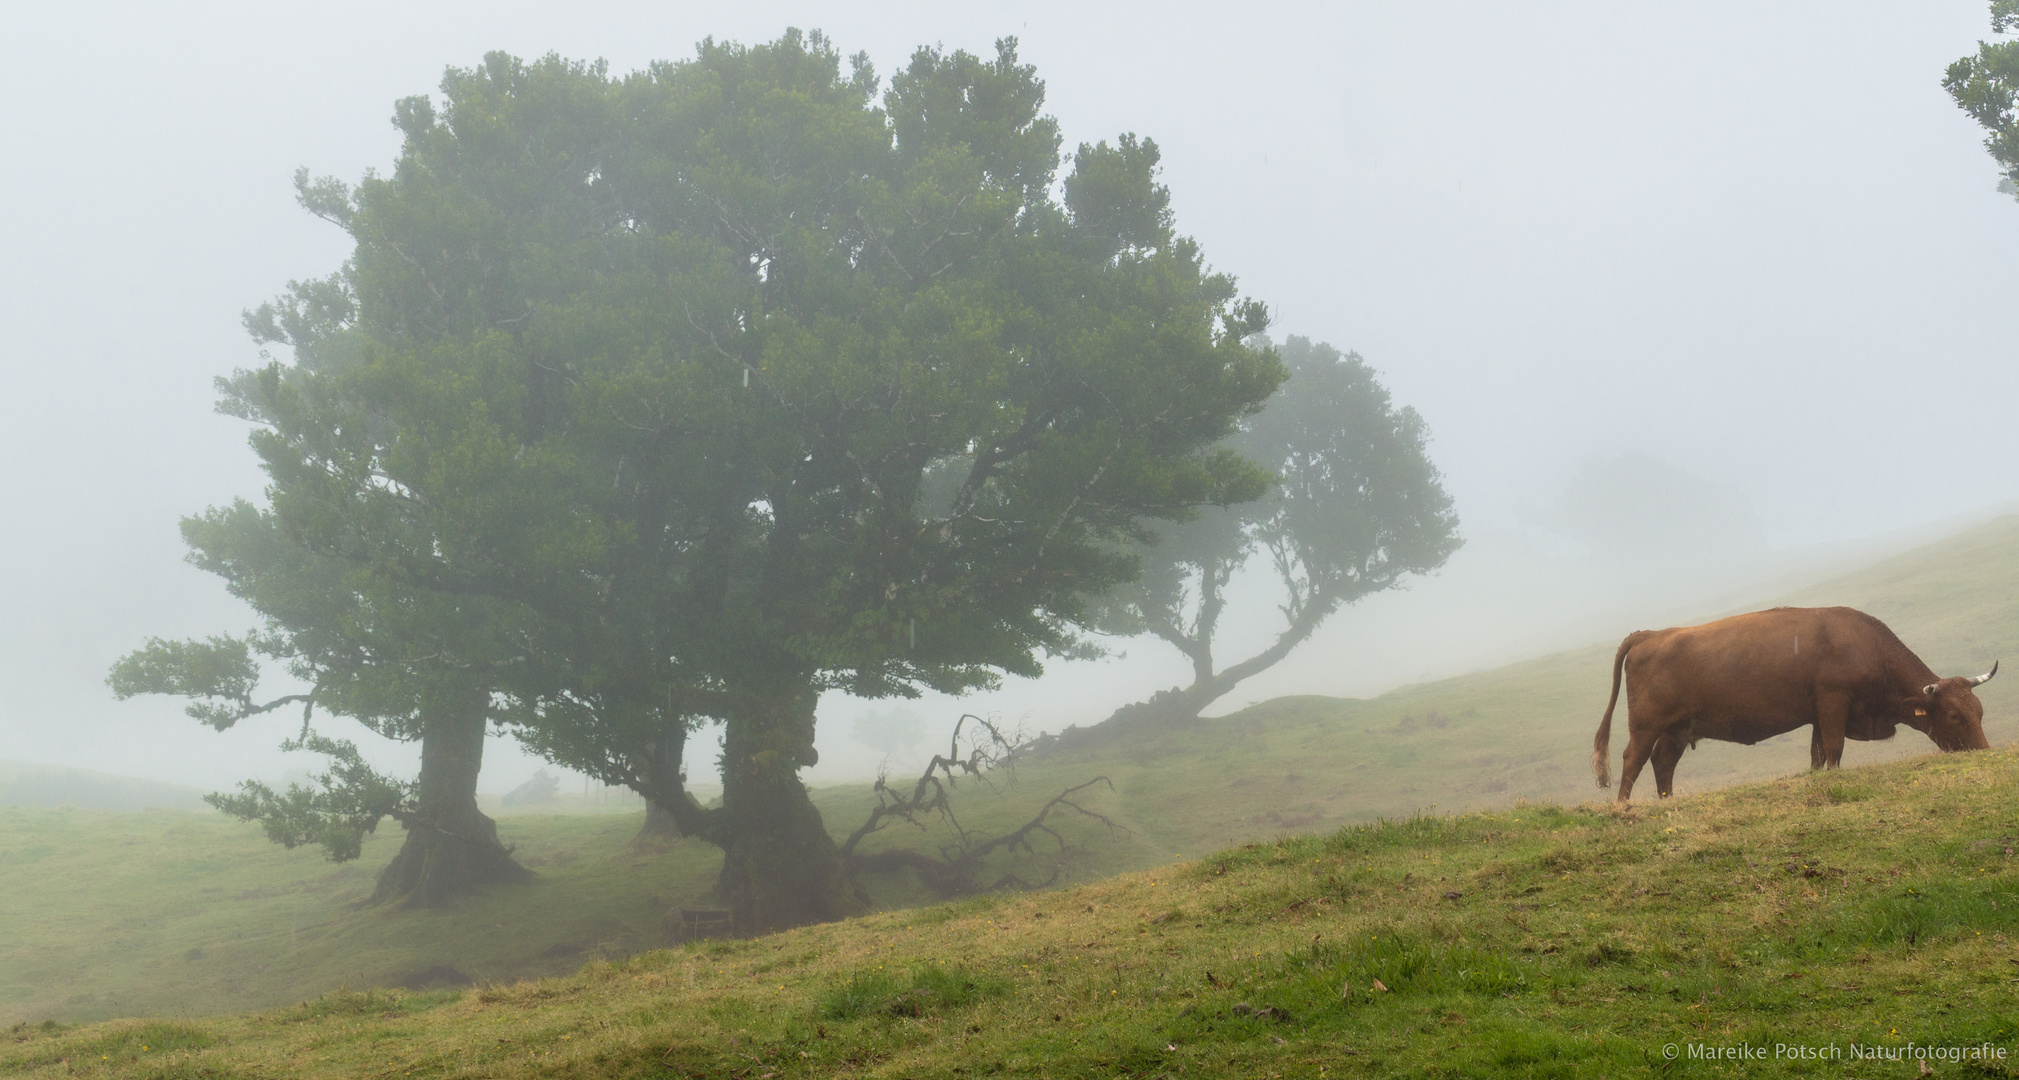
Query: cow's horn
{"type": "Point", "coordinates": [1929, 690]}
{"type": "Point", "coordinates": [1986, 677]}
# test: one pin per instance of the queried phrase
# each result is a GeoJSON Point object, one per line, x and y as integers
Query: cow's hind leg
{"type": "Point", "coordinates": [1638, 745]}
{"type": "Point", "coordinates": [1667, 752]}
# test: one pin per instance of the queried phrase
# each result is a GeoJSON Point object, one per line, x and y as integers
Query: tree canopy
{"type": "Point", "coordinates": [701, 391]}
{"type": "Point", "coordinates": [1987, 87]}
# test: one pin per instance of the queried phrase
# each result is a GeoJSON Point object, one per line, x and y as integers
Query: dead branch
{"type": "Point", "coordinates": [954, 871]}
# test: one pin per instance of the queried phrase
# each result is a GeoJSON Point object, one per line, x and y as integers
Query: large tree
{"type": "Point", "coordinates": [948, 396]}
{"type": "Point", "coordinates": [736, 381]}
{"type": "Point", "coordinates": [1357, 508]}
{"type": "Point", "coordinates": [1987, 87]}
{"type": "Point", "coordinates": [375, 596]}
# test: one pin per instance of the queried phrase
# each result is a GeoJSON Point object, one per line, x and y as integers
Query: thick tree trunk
{"type": "Point", "coordinates": [661, 824]}
{"type": "Point", "coordinates": [451, 848]}
{"type": "Point", "coordinates": [664, 785]}
{"type": "Point", "coordinates": [780, 868]}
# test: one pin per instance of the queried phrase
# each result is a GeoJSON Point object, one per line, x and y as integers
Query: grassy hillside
{"type": "Point", "coordinates": [23, 784]}
{"type": "Point", "coordinates": [191, 914]}
{"type": "Point", "coordinates": [105, 914]}
{"type": "Point", "coordinates": [1517, 732]}
{"type": "Point", "coordinates": [1860, 912]}
{"type": "Point", "coordinates": [1525, 730]}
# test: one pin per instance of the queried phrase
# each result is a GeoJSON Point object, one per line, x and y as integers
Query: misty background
{"type": "Point", "coordinates": [1699, 303]}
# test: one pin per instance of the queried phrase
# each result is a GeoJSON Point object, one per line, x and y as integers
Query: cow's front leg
{"type": "Point", "coordinates": [1833, 714]}
{"type": "Point", "coordinates": [1816, 746]}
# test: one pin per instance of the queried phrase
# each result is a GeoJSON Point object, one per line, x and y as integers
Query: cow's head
{"type": "Point", "coordinates": [1951, 714]}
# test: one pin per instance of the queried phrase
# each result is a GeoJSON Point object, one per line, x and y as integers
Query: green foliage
{"type": "Point", "coordinates": [219, 672]}
{"type": "Point", "coordinates": [1987, 87]}
{"type": "Point", "coordinates": [335, 811]}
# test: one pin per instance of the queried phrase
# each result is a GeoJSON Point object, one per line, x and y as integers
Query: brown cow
{"type": "Point", "coordinates": [1752, 677]}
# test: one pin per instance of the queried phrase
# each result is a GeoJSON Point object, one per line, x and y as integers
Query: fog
{"type": "Point", "coordinates": [1751, 249]}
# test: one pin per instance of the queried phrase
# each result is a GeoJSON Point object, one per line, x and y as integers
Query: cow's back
{"type": "Point", "coordinates": [1753, 676]}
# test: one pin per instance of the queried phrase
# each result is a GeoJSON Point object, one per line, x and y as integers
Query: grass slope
{"type": "Point", "coordinates": [23, 784]}
{"type": "Point", "coordinates": [1522, 731]}
{"type": "Point", "coordinates": [1861, 911]}
{"type": "Point", "coordinates": [165, 913]}
{"type": "Point", "coordinates": [192, 914]}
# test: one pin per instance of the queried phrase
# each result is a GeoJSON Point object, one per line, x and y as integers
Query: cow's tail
{"type": "Point", "coordinates": [1601, 745]}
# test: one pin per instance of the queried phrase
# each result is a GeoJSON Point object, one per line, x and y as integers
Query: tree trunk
{"type": "Point", "coordinates": [661, 825]}
{"type": "Point", "coordinates": [451, 848]}
{"type": "Point", "coordinates": [1164, 709]}
{"type": "Point", "coordinates": [780, 868]}
{"type": "Point", "coordinates": [663, 784]}
{"type": "Point", "coordinates": [1177, 705]}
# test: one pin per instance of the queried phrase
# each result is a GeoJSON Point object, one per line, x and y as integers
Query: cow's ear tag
{"type": "Point", "coordinates": [1920, 712]}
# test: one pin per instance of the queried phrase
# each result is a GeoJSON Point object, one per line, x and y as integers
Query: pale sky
{"type": "Point", "coordinates": [1754, 240]}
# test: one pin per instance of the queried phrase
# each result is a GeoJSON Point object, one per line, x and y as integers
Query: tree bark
{"type": "Point", "coordinates": [661, 824]}
{"type": "Point", "coordinates": [664, 788]}
{"type": "Point", "coordinates": [780, 868]}
{"type": "Point", "coordinates": [451, 848]}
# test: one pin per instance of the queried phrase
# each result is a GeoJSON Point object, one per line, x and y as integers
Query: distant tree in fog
{"type": "Point", "coordinates": [1987, 87]}
{"type": "Point", "coordinates": [1635, 507]}
{"type": "Point", "coordinates": [890, 731]}
{"type": "Point", "coordinates": [1357, 508]}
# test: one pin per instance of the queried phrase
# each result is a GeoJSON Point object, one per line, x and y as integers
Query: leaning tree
{"type": "Point", "coordinates": [1357, 508]}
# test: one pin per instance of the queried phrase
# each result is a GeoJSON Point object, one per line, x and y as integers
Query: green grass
{"type": "Point", "coordinates": [1539, 941]}
{"type": "Point", "coordinates": [181, 914]}
{"type": "Point", "coordinates": [186, 915]}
